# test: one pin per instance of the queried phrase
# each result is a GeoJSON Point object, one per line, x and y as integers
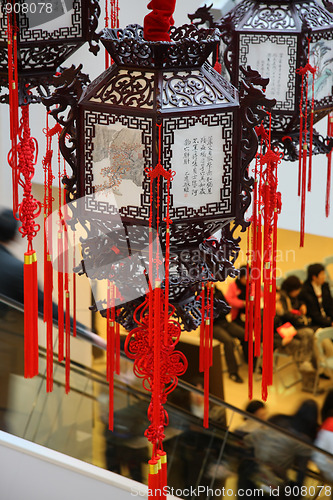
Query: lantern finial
{"type": "Point", "coordinates": [158, 22]}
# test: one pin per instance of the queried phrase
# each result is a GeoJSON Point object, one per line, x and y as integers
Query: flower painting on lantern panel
{"type": "Point", "coordinates": [118, 164]}
{"type": "Point", "coordinates": [321, 57]}
{"type": "Point", "coordinates": [274, 56]}
{"type": "Point", "coordinates": [201, 160]}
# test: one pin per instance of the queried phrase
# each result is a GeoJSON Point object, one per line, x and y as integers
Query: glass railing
{"type": "Point", "coordinates": [203, 463]}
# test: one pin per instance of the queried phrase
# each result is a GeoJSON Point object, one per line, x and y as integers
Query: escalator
{"type": "Point", "coordinates": [202, 463]}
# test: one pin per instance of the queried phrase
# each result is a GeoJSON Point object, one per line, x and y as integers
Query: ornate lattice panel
{"type": "Point", "coordinates": [131, 88]}
{"type": "Point", "coordinates": [190, 89]}
{"type": "Point", "coordinates": [271, 17]}
{"type": "Point", "coordinates": [274, 56]}
{"type": "Point", "coordinates": [198, 150]}
{"type": "Point", "coordinates": [314, 15]}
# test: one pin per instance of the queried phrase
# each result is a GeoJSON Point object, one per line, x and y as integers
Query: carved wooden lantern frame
{"type": "Point", "coordinates": [48, 33]}
{"type": "Point", "coordinates": [162, 102]}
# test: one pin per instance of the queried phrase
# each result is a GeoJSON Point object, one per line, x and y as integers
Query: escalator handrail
{"type": "Point", "coordinates": [96, 340]}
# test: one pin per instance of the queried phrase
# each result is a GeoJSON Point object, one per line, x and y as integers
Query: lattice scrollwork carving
{"type": "Point", "coordinates": [69, 86]}
{"type": "Point", "coordinates": [271, 17]}
{"type": "Point", "coordinates": [45, 57]}
{"type": "Point", "coordinates": [128, 88]}
{"type": "Point", "coordinates": [314, 15]}
{"type": "Point", "coordinates": [290, 145]}
{"type": "Point", "coordinates": [188, 269]}
{"type": "Point", "coordinates": [189, 46]}
{"type": "Point", "coordinates": [190, 89]}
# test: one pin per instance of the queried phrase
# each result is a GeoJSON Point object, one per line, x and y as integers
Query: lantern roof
{"type": "Point", "coordinates": [160, 76]}
{"type": "Point", "coordinates": [289, 15]}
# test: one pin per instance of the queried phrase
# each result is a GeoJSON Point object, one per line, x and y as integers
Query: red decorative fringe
{"type": "Point", "coordinates": [114, 23]}
{"type": "Point", "coordinates": [206, 343]}
{"type": "Point", "coordinates": [153, 479]}
{"type": "Point", "coordinates": [266, 206]}
{"type": "Point", "coordinates": [31, 315]}
{"type": "Point", "coordinates": [305, 139]}
{"type": "Point", "coordinates": [60, 298]}
{"type": "Point", "coordinates": [329, 166]}
{"type": "Point", "coordinates": [28, 210]}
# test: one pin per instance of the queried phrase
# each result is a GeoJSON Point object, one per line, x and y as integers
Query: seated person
{"type": "Point", "coordinates": [298, 343]}
{"type": "Point", "coordinates": [294, 309]}
{"type": "Point", "coordinates": [236, 297]}
{"type": "Point", "coordinates": [317, 297]}
{"type": "Point", "coordinates": [225, 332]}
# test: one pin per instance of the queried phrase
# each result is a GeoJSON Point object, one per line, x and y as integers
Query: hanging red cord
{"type": "Point", "coordinates": [329, 166]}
{"type": "Point", "coordinates": [28, 210]}
{"type": "Point", "coordinates": [305, 138]}
{"type": "Point", "coordinates": [266, 206]}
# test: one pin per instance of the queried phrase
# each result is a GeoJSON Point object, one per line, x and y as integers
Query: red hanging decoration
{"type": "Point", "coordinates": [266, 207]}
{"type": "Point", "coordinates": [111, 15]}
{"type": "Point", "coordinates": [28, 210]}
{"type": "Point", "coordinates": [305, 139]}
{"type": "Point", "coordinates": [329, 166]}
{"type": "Point", "coordinates": [13, 105]}
{"type": "Point", "coordinates": [48, 269]}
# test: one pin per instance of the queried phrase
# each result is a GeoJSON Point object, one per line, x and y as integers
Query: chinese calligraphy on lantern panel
{"type": "Point", "coordinates": [198, 161]}
{"type": "Point", "coordinates": [272, 61]}
{"type": "Point", "coordinates": [198, 165]}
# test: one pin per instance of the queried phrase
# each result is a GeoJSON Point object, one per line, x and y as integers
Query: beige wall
{"type": "Point", "coordinates": [289, 254]}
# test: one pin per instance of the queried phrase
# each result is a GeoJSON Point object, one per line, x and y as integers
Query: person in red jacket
{"type": "Point", "coordinates": [236, 297]}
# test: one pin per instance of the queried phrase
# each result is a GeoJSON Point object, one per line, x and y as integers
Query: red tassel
{"type": "Point", "coordinates": [74, 289]}
{"type": "Point", "coordinates": [31, 315]}
{"type": "Point", "coordinates": [153, 479]}
{"type": "Point", "coordinates": [68, 339]}
{"type": "Point", "coordinates": [163, 473]}
{"type": "Point", "coordinates": [202, 330]}
{"type": "Point", "coordinates": [217, 65]}
{"type": "Point", "coordinates": [207, 355]}
{"type": "Point", "coordinates": [303, 195]}
{"type": "Point", "coordinates": [60, 299]}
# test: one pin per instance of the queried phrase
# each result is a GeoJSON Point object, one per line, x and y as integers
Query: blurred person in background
{"type": "Point", "coordinates": [236, 296]}
{"type": "Point", "coordinates": [225, 332]}
{"type": "Point", "coordinates": [317, 297]}
{"type": "Point", "coordinates": [324, 439]}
